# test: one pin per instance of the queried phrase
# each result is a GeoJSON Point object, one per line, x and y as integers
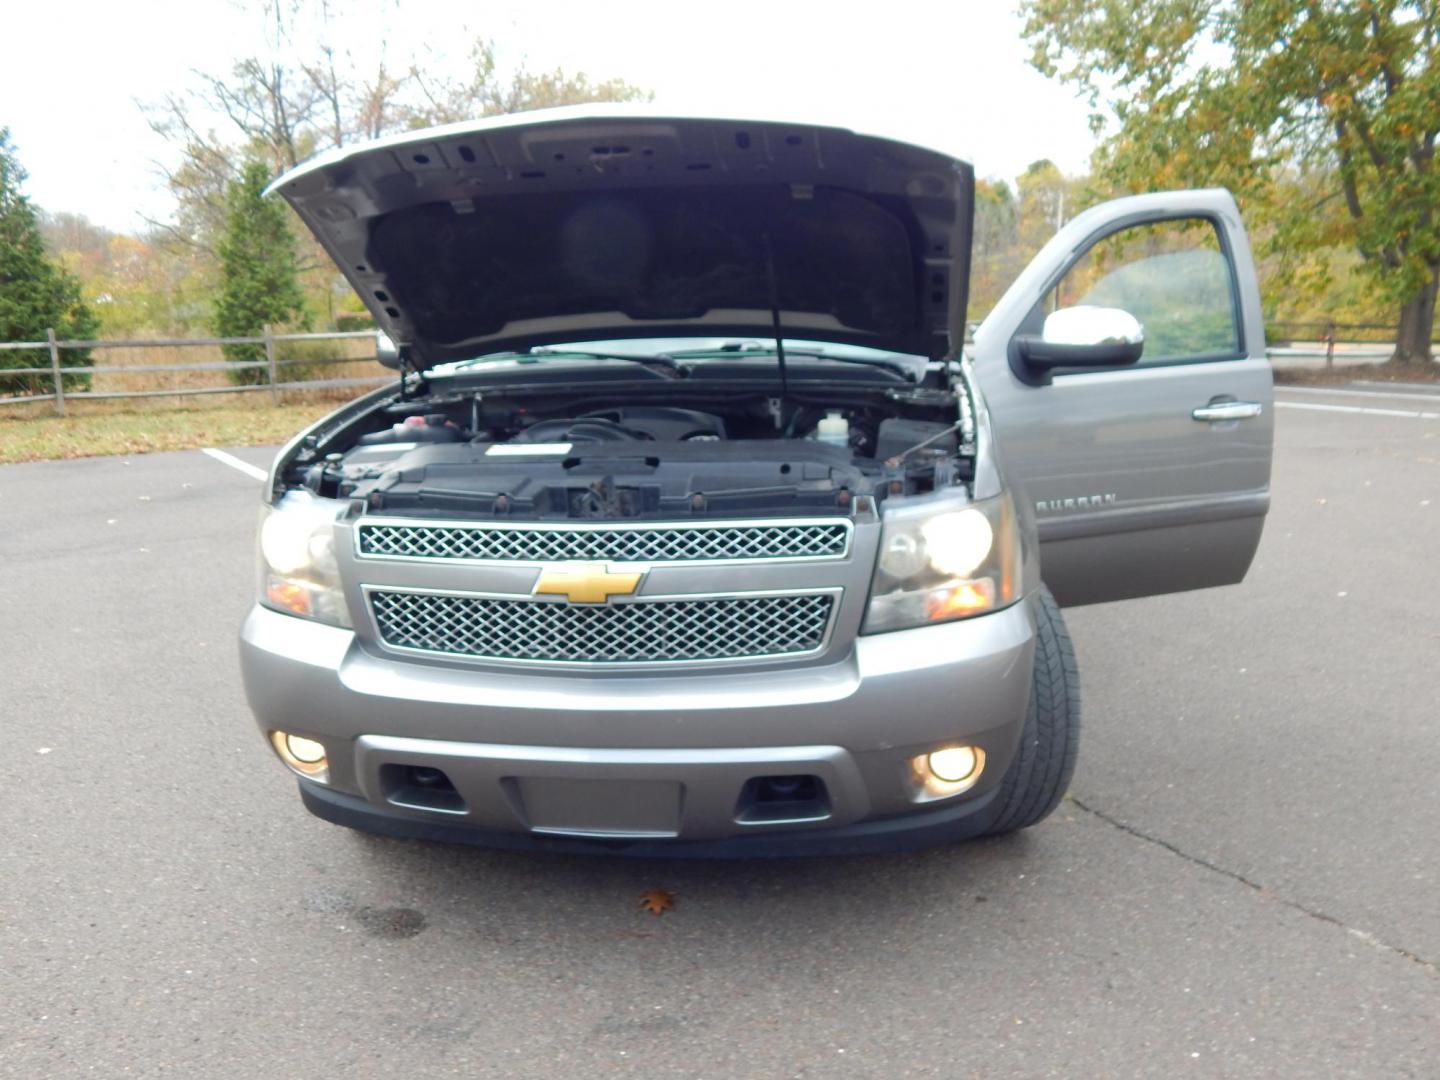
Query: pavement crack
{"type": "Point", "coordinates": [1364, 935]}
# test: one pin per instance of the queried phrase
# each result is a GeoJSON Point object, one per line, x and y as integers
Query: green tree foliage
{"type": "Point", "coordinates": [993, 247]}
{"type": "Point", "coordinates": [1012, 224]}
{"type": "Point", "coordinates": [36, 294]}
{"type": "Point", "coordinates": [1322, 115]}
{"type": "Point", "coordinates": [259, 282]}
{"type": "Point", "coordinates": [139, 286]}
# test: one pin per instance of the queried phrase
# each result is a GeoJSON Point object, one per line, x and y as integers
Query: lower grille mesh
{"type": "Point", "coordinates": [636, 632]}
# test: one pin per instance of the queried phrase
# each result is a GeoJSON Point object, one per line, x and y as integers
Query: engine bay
{"type": "Point", "coordinates": [554, 455]}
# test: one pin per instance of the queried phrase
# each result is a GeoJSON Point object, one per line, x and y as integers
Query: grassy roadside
{"type": "Point", "coordinates": [1342, 374]}
{"type": "Point", "coordinates": [113, 431]}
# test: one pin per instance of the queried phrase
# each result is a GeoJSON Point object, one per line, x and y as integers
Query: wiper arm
{"type": "Point", "coordinates": [888, 365]}
{"type": "Point", "coordinates": [727, 354]}
{"type": "Point", "coordinates": [662, 361]}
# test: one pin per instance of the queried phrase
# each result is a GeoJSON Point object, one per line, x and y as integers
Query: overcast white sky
{"type": "Point", "coordinates": [946, 74]}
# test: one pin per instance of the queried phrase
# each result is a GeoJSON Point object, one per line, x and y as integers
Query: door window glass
{"type": "Point", "coordinates": [1171, 275]}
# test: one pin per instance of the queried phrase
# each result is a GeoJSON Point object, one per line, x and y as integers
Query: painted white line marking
{"type": "Point", "coordinates": [235, 463]}
{"type": "Point", "coordinates": [1328, 392]}
{"type": "Point", "coordinates": [1421, 387]}
{"type": "Point", "coordinates": [1358, 410]}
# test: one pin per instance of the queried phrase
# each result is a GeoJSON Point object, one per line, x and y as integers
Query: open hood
{"type": "Point", "coordinates": [600, 223]}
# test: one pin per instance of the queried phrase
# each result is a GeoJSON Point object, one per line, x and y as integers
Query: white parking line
{"type": "Point", "coordinates": [235, 463]}
{"type": "Point", "coordinates": [1358, 409]}
{"type": "Point", "coordinates": [1418, 387]}
{"type": "Point", "coordinates": [1337, 392]}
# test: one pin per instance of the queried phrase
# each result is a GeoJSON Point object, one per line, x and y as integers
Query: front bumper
{"type": "Point", "coordinates": [650, 764]}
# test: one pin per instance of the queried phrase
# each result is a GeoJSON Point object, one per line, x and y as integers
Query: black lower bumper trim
{"type": "Point", "coordinates": [924, 828]}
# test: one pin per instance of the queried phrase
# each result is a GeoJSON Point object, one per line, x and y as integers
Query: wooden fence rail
{"type": "Point", "coordinates": [271, 365]}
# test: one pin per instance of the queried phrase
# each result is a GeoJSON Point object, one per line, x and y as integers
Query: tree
{"type": "Point", "coordinates": [139, 286]}
{"type": "Point", "coordinates": [36, 294]}
{"type": "Point", "coordinates": [1012, 225]}
{"type": "Point", "coordinates": [303, 95]}
{"type": "Point", "coordinates": [259, 283]}
{"type": "Point", "coordinates": [1047, 199]}
{"type": "Point", "coordinates": [484, 90]}
{"type": "Point", "coordinates": [994, 246]}
{"type": "Point", "coordinates": [1322, 115]}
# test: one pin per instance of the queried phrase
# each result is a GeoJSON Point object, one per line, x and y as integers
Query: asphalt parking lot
{"type": "Point", "coordinates": [1243, 882]}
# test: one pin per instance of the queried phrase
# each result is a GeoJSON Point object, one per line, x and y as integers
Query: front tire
{"type": "Point", "coordinates": [1050, 741]}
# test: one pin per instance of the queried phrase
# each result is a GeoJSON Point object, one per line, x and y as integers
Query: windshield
{"type": "Point", "coordinates": [695, 348]}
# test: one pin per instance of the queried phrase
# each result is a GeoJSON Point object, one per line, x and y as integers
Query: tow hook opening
{"type": "Point", "coordinates": [771, 800]}
{"type": "Point", "coordinates": [421, 787]}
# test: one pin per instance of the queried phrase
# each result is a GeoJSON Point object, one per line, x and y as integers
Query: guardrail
{"type": "Point", "coordinates": [271, 365]}
{"type": "Point", "coordinates": [1313, 340]}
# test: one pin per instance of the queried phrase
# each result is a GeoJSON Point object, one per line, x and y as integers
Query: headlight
{"type": "Point", "coordinates": [298, 571]}
{"type": "Point", "coordinates": [943, 562]}
{"type": "Point", "coordinates": [959, 541]}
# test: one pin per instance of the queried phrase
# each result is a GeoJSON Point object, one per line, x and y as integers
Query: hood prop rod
{"type": "Point", "coordinates": [773, 281]}
{"type": "Point", "coordinates": [408, 367]}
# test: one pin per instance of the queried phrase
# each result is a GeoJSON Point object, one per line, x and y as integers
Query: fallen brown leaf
{"type": "Point", "coordinates": [656, 901]}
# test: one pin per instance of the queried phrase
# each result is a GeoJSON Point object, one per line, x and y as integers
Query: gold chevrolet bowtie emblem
{"type": "Point", "coordinates": [587, 583]}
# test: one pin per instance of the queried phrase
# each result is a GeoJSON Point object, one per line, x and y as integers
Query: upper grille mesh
{"type": "Point", "coordinates": [635, 632]}
{"type": "Point", "coordinates": [706, 543]}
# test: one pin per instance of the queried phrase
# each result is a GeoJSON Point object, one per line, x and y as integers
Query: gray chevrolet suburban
{"type": "Point", "coordinates": [691, 525]}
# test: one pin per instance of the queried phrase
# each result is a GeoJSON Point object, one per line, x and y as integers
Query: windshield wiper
{"type": "Point", "coordinates": [790, 350]}
{"type": "Point", "coordinates": [661, 361]}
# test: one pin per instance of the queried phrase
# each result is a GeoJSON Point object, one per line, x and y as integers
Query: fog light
{"type": "Point", "coordinates": [305, 756]}
{"type": "Point", "coordinates": [311, 752]}
{"type": "Point", "coordinates": [954, 764]}
{"type": "Point", "coordinates": [947, 771]}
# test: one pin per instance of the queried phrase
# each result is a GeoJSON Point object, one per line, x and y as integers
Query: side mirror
{"type": "Point", "coordinates": [1084, 337]}
{"type": "Point", "coordinates": [386, 351]}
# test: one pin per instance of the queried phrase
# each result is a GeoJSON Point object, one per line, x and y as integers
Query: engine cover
{"type": "Point", "coordinates": [621, 479]}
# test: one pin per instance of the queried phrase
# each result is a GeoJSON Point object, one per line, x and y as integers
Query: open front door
{"type": "Point", "coordinates": [1155, 477]}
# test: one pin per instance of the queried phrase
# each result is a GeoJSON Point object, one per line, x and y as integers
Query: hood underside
{"type": "Point", "coordinates": [569, 225]}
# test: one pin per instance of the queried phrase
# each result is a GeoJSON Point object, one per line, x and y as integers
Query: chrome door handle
{"type": "Point", "coordinates": [1228, 410]}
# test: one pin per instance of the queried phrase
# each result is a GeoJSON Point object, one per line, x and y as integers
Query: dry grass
{"type": "Point", "coordinates": [1343, 374]}
{"type": "Point", "coordinates": [297, 362]}
{"type": "Point", "coordinates": [143, 425]}
{"type": "Point", "coordinates": [117, 361]}
{"type": "Point", "coordinates": [128, 429]}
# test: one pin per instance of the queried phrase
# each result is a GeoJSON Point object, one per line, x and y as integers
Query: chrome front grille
{"type": "Point", "coordinates": [671, 543]}
{"type": "Point", "coordinates": [634, 632]}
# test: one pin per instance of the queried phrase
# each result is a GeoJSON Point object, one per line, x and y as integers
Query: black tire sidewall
{"type": "Point", "coordinates": [1044, 762]}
